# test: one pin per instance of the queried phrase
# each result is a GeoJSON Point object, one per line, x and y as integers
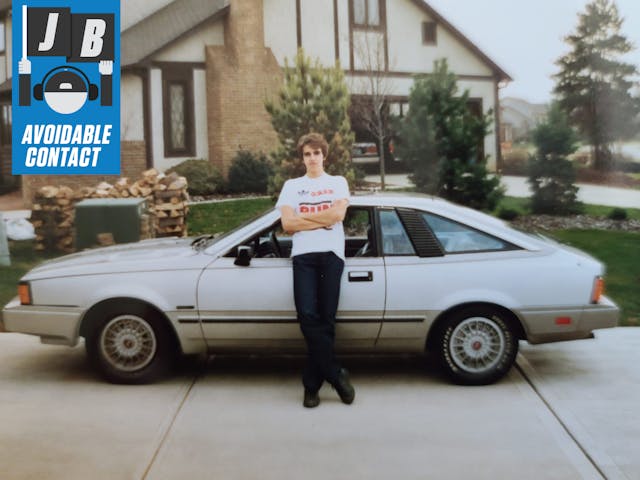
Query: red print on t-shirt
{"type": "Point", "coordinates": [314, 207]}
{"type": "Point", "coordinates": [326, 191]}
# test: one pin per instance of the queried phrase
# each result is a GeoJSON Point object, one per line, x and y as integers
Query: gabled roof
{"type": "Point", "coordinates": [140, 41]}
{"type": "Point", "coordinates": [501, 74]}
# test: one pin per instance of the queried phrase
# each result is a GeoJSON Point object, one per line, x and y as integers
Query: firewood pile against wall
{"type": "Point", "coordinates": [53, 211]}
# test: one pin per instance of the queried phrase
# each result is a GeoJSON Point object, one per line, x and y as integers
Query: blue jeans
{"type": "Point", "coordinates": [316, 290]}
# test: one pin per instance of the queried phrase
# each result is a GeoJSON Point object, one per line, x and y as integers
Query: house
{"type": "Point", "coordinates": [195, 73]}
{"type": "Point", "coordinates": [518, 117]}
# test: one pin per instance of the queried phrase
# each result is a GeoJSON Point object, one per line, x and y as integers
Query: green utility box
{"type": "Point", "coordinates": [104, 221]}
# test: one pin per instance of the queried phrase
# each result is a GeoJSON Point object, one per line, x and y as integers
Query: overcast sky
{"type": "Point", "coordinates": [526, 37]}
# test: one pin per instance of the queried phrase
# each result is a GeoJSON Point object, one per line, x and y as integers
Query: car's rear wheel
{"type": "Point", "coordinates": [476, 345]}
{"type": "Point", "coordinates": [130, 347]}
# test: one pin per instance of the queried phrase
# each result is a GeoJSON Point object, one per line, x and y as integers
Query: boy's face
{"type": "Point", "coordinates": [313, 160]}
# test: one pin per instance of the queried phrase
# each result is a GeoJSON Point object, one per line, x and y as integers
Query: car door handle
{"type": "Point", "coordinates": [361, 276]}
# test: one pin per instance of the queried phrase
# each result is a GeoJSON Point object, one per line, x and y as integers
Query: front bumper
{"type": "Point", "coordinates": [54, 325]}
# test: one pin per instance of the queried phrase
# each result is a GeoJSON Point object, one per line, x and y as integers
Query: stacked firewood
{"type": "Point", "coordinates": [52, 216]}
{"type": "Point", "coordinates": [166, 196]}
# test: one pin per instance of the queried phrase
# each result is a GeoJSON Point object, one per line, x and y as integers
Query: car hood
{"type": "Point", "coordinates": [154, 254]}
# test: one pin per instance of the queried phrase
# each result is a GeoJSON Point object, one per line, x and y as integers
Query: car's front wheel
{"type": "Point", "coordinates": [476, 345]}
{"type": "Point", "coordinates": [130, 347]}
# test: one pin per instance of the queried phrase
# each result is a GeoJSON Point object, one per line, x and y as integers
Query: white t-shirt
{"type": "Point", "coordinates": [309, 195]}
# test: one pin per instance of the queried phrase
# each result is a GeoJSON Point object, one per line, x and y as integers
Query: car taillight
{"type": "Point", "coordinates": [24, 292]}
{"type": "Point", "coordinates": [598, 289]}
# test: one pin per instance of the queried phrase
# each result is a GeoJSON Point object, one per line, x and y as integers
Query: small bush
{"type": "Point", "coordinates": [508, 214]}
{"type": "Point", "coordinates": [618, 214]}
{"type": "Point", "coordinates": [249, 173]}
{"type": "Point", "coordinates": [202, 177]}
{"type": "Point", "coordinates": [515, 162]}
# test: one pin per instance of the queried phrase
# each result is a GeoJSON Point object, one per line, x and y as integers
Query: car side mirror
{"type": "Point", "coordinates": [243, 259]}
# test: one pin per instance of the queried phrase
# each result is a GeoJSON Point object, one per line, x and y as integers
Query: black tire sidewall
{"type": "Point", "coordinates": [505, 362]}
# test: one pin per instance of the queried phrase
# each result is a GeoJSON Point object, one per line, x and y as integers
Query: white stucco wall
{"type": "Point", "coordinates": [318, 35]}
{"type": "Point", "coordinates": [191, 48]}
{"type": "Point", "coordinates": [343, 33]}
{"type": "Point", "coordinates": [280, 28]}
{"type": "Point", "coordinates": [131, 108]}
{"type": "Point", "coordinates": [408, 54]}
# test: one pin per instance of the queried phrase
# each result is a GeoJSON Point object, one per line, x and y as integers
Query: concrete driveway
{"type": "Point", "coordinates": [567, 411]}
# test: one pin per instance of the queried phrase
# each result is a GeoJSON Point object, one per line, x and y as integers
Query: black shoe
{"type": "Point", "coordinates": [344, 388]}
{"type": "Point", "coordinates": [311, 399]}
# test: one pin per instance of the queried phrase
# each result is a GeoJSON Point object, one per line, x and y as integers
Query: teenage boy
{"type": "Point", "coordinates": [312, 208]}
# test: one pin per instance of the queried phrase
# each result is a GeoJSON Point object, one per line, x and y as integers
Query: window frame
{"type": "Point", "coordinates": [380, 234]}
{"type": "Point", "coordinates": [366, 25]}
{"type": "Point", "coordinates": [430, 33]}
{"type": "Point", "coordinates": [182, 76]}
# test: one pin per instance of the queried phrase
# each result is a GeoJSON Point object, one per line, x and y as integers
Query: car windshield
{"type": "Point", "coordinates": [206, 240]}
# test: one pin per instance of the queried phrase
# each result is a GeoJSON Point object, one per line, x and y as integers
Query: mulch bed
{"type": "Point", "coordinates": [532, 223]}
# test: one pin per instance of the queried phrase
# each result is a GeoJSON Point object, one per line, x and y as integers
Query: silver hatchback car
{"type": "Point", "coordinates": [421, 274]}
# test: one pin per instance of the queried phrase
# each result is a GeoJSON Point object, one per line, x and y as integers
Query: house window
{"type": "Point", "coordinates": [429, 33]}
{"type": "Point", "coordinates": [6, 123]}
{"type": "Point", "coordinates": [177, 112]}
{"type": "Point", "coordinates": [366, 13]}
{"type": "Point", "coordinates": [2, 44]}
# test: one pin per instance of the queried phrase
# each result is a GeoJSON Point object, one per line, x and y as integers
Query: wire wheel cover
{"type": "Point", "coordinates": [128, 343]}
{"type": "Point", "coordinates": [477, 344]}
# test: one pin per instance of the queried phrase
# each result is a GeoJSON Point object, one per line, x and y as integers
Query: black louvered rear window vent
{"type": "Point", "coordinates": [423, 240]}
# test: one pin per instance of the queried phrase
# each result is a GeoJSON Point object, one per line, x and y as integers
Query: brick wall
{"type": "Point", "coordinates": [132, 163]}
{"type": "Point", "coordinates": [240, 76]}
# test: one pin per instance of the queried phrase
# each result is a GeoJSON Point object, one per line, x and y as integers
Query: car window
{"type": "Point", "coordinates": [458, 238]}
{"type": "Point", "coordinates": [359, 233]}
{"type": "Point", "coordinates": [395, 240]}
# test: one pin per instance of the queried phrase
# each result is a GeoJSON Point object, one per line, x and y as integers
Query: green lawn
{"type": "Point", "coordinates": [619, 251]}
{"type": "Point", "coordinates": [223, 216]}
{"type": "Point", "coordinates": [521, 205]}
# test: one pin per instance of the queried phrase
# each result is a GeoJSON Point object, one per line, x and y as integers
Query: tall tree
{"type": "Point", "coordinates": [312, 99]}
{"type": "Point", "coordinates": [594, 85]}
{"type": "Point", "coordinates": [371, 110]}
{"type": "Point", "coordinates": [440, 138]}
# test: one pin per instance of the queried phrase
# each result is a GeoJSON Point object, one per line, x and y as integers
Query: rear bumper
{"type": "Point", "coordinates": [542, 328]}
{"type": "Point", "coordinates": [55, 325]}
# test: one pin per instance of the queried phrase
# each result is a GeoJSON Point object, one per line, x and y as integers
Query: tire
{"type": "Point", "coordinates": [476, 346]}
{"type": "Point", "coordinates": [131, 346]}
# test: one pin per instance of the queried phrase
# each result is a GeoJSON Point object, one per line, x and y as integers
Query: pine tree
{"type": "Point", "coordinates": [439, 139]}
{"type": "Point", "coordinates": [551, 173]}
{"type": "Point", "coordinates": [594, 85]}
{"type": "Point", "coordinates": [312, 99]}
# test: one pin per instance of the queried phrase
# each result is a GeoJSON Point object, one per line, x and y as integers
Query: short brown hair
{"type": "Point", "coordinates": [314, 140]}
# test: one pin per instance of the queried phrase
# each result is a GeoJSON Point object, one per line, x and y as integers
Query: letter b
{"type": "Point", "coordinates": [94, 30]}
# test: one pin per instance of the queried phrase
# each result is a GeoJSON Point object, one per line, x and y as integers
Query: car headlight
{"type": "Point", "coordinates": [24, 292]}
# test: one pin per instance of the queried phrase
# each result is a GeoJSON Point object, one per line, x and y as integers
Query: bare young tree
{"type": "Point", "coordinates": [371, 90]}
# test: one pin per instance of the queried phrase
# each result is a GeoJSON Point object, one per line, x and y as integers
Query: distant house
{"type": "Point", "coordinates": [195, 73]}
{"type": "Point", "coordinates": [518, 117]}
